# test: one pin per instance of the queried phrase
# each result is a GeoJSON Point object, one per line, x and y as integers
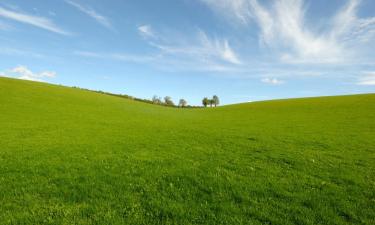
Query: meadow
{"type": "Point", "coordinates": [70, 156]}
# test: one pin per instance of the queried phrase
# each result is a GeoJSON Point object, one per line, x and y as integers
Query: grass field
{"type": "Point", "coordinates": [69, 156]}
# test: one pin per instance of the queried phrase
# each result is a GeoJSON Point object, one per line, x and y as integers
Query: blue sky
{"type": "Point", "coordinates": [240, 50]}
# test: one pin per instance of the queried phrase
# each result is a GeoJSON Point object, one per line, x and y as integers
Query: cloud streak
{"type": "Point", "coordinates": [36, 21]}
{"type": "Point", "coordinates": [104, 21]}
{"type": "Point", "coordinates": [117, 56]}
{"type": "Point", "coordinates": [367, 80]}
{"type": "Point", "coordinates": [146, 31]}
{"type": "Point", "coordinates": [201, 48]}
{"type": "Point", "coordinates": [19, 52]}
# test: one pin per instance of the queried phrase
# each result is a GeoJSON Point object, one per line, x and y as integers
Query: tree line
{"type": "Point", "coordinates": [167, 101]}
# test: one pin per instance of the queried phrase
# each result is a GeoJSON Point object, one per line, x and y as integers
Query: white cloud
{"type": "Point", "coordinates": [146, 31]}
{"type": "Point", "coordinates": [284, 30]}
{"type": "Point", "coordinates": [272, 81]}
{"type": "Point", "coordinates": [92, 13]}
{"type": "Point", "coordinates": [22, 72]}
{"type": "Point", "coordinates": [367, 79]}
{"type": "Point", "coordinates": [36, 21]}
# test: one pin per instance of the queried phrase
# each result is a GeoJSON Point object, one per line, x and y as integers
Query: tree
{"type": "Point", "coordinates": [205, 101]}
{"type": "Point", "coordinates": [156, 100]}
{"type": "Point", "coordinates": [182, 103]}
{"type": "Point", "coordinates": [215, 100]}
{"type": "Point", "coordinates": [168, 101]}
{"type": "Point", "coordinates": [211, 102]}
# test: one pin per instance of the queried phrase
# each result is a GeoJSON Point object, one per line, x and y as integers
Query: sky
{"type": "Point", "coordinates": [240, 50]}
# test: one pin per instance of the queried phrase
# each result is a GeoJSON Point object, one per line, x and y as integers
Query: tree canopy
{"type": "Point", "coordinates": [182, 103]}
{"type": "Point", "coordinates": [168, 101]}
{"type": "Point", "coordinates": [216, 100]}
{"type": "Point", "coordinates": [205, 101]}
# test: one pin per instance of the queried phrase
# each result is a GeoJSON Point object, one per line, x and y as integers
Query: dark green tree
{"type": "Point", "coordinates": [215, 100]}
{"type": "Point", "coordinates": [182, 103]}
{"type": "Point", "coordinates": [168, 101]}
{"type": "Point", "coordinates": [205, 101]}
{"type": "Point", "coordinates": [156, 100]}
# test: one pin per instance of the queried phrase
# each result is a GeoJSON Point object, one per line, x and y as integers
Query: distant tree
{"type": "Point", "coordinates": [211, 102]}
{"type": "Point", "coordinates": [168, 101]}
{"type": "Point", "coordinates": [205, 101]}
{"type": "Point", "coordinates": [156, 100]}
{"type": "Point", "coordinates": [182, 103]}
{"type": "Point", "coordinates": [215, 100]}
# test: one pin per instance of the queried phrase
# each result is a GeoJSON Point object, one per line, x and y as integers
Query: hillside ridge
{"type": "Point", "coordinates": [147, 101]}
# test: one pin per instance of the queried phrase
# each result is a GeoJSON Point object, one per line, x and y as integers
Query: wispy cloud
{"type": "Point", "coordinates": [284, 30]}
{"type": "Point", "coordinates": [104, 21]}
{"type": "Point", "coordinates": [226, 52]}
{"type": "Point", "coordinates": [36, 21]}
{"type": "Point", "coordinates": [146, 31]}
{"type": "Point", "coordinates": [201, 48]}
{"type": "Point", "coordinates": [367, 79]}
{"type": "Point", "coordinates": [238, 10]}
{"type": "Point", "coordinates": [117, 56]}
{"type": "Point", "coordinates": [19, 52]}
{"type": "Point", "coordinates": [272, 81]}
{"type": "Point", "coordinates": [22, 72]}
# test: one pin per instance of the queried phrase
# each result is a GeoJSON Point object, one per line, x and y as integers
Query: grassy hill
{"type": "Point", "coordinates": [69, 156]}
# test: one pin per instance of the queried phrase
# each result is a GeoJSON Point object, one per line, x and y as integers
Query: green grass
{"type": "Point", "coordinates": [69, 156]}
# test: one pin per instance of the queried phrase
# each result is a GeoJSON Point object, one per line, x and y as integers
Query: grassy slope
{"type": "Point", "coordinates": [75, 157]}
